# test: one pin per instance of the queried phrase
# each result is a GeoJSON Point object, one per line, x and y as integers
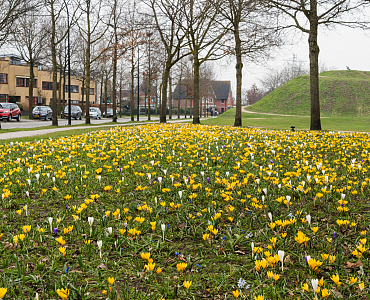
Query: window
{"type": "Point", "coordinates": [24, 82]}
{"type": "Point", "coordinates": [91, 91]}
{"type": "Point", "coordinates": [222, 101]}
{"type": "Point", "coordinates": [210, 100]}
{"type": "Point", "coordinates": [74, 88]}
{"type": "Point", "coordinates": [74, 101]}
{"type": "Point", "coordinates": [46, 85]}
{"type": "Point", "coordinates": [4, 97]}
{"type": "Point", "coordinates": [36, 100]}
{"type": "Point", "coordinates": [3, 78]}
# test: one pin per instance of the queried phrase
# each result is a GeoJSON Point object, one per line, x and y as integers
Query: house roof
{"type": "Point", "coordinates": [183, 92]}
{"type": "Point", "coordinates": [220, 89]}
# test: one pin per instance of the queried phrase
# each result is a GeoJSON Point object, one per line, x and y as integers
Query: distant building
{"type": "Point", "coordinates": [14, 83]}
{"type": "Point", "coordinates": [215, 96]}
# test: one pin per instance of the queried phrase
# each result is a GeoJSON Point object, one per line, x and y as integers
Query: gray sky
{"type": "Point", "coordinates": [339, 48]}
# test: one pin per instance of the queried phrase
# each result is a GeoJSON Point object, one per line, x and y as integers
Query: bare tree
{"type": "Point", "coordinates": [28, 37]}
{"type": "Point", "coordinates": [275, 78]}
{"type": "Point", "coordinates": [93, 28]}
{"type": "Point", "coordinates": [253, 95]}
{"type": "Point", "coordinates": [204, 36]}
{"type": "Point", "coordinates": [307, 16]}
{"type": "Point", "coordinates": [168, 15]}
{"type": "Point", "coordinates": [253, 37]}
{"type": "Point", "coordinates": [10, 11]}
{"type": "Point", "coordinates": [55, 10]}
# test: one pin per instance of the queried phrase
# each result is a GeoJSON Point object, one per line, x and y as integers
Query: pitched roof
{"type": "Point", "coordinates": [221, 89]}
{"type": "Point", "coordinates": [183, 91]}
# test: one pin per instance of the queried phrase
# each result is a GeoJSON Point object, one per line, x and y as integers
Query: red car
{"type": "Point", "coordinates": [9, 111]}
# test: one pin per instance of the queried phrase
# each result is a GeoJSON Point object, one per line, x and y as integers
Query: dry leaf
{"type": "Point", "coordinates": [102, 266]}
{"type": "Point", "coordinates": [353, 265]}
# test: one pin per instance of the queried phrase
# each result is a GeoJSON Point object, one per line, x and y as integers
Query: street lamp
{"type": "Point", "coordinates": [69, 69]}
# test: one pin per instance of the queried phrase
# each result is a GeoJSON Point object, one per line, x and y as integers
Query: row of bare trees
{"type": "Point", "coordinates": [109, 37]}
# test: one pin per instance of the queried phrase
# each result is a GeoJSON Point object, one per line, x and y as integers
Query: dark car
{"type": "Point", "coordinates": [10, 111]}
{"type": "Point", "coordinates": [42, 112]}
{"type": "Point", "coordinates": [76, 112]}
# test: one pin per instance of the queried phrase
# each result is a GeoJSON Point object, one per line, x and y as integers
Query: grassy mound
{"type": "Point", "coordinates": [342, 93]}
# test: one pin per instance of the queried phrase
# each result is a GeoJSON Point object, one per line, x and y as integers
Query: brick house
{"type": "Point", "coordinates": [214, 96]}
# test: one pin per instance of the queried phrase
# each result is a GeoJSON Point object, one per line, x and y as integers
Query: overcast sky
{"type": "Point", "coordinates": [339, 48]}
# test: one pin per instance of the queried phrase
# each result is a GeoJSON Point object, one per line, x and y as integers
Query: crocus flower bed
{"type": "Point", "coordinates": [186, 212]}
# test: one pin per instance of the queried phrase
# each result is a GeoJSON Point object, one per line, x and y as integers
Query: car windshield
{"type": "Point", "coordinates": [40, 108]}
{"type": "Point", "coordinates": [110, 110]}
{"type": "Point", "coordinates": [93, 109]}
{"type": "Point", "coordinates": [72, 108]}
{"type": "Point", "coordinates": [5, 105]}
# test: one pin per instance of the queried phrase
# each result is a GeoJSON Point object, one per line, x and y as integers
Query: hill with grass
{"type": "Point", "coordinates": [342, 93]}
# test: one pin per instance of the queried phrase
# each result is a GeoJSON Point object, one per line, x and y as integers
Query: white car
{"type": "Point", "coordinates": [94, 113]}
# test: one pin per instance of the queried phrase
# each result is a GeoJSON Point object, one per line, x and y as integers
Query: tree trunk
{"type": "Point", "coordinates": [239, 68]}
{"type": "Point", "coordinates": [314, 68]}
{"type": "Point", "coordinates": [170, 98]}
{"type": "Point", "coordinates": [149, 84]}
{"type": "Point", "coordinates": [106, 94]}
{"type": "Point", "coordinates": [88, 65]}
{"type": "Point", "coordinates": [55, 67]}
{"type": "Point", "coordinates": [30, 88]}
{"type": "Point", "coordinates": [101, 91]}
{"type": "Point", "coordinates": [83, 96]}
{"type": "Point", "coordinates": [196, 66]}
{"type": "Point", "coordinates": [114, 83]}
{"type": "Point", "coordinates": [165, 76]}
{"type": "Point", "coordinates": [178, 100]}
{"type": "Point", "coordinates": [132, 87]}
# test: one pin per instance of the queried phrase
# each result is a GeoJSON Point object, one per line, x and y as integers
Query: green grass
{"type": "Point", "coordinates": [361, 124]}
{"type": "Point", "coordinates": [342, 93]}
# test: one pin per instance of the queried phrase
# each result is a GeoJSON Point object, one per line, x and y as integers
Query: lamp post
{"type": "Point", "coordinates": [69, 70]}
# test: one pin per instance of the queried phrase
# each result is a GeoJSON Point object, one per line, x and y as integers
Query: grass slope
{"type": "Point", "coordinates": [342, 93]}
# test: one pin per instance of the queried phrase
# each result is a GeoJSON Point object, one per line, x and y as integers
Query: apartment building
{"type": "Point", "coordinates": [14, 84]}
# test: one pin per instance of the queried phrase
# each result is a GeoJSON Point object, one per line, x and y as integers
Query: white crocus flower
{"type": "Point", "coordinates": [281, 256]}
{"type": "Point", "coordinates": [308, 219]}
{"type": "Point", "coordinates": [100, 245]}
{"type": "Point", "coordinates": [91, 221]}
{"type": "Point", "coordinates": [50, 220]}
{"type": "Point", "coordinates": [270, 216]}
{"type": "Point", "coordinates": [315, 283]}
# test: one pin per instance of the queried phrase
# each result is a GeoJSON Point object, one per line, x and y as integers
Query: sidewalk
{"type": "Point", "coordinates": [21, 134]}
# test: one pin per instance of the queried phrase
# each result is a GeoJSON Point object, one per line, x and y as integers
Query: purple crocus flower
{"type": "Point", "coordinates": [55, 231]}
{"type": "Point", "coordinates": [334, 235]}
{"type": "Point", "coordinates": [208, 179]}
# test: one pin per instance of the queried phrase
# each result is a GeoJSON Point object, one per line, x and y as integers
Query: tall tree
{"type": "Point", "coordinates": [204, 35]}
{"type": "Point", "coordinates": [168, 15]}
{"type": "Point", "coordinates": [307, 16]}
{"type": "Point", "coordinates": [93, 28]}
{"type": "Point", "coordinates": [55, 10]}
{"type": "Point", "coordinates": [28, 36]}
{"type": "Point", "coordinates": [247, 22]}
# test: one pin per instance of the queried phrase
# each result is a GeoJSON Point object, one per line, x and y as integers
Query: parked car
{"type": "Point", "coordinates": [42, 112]}
{"type": "Point", "coordinates": [94, 113]}
{"type": "Point", "coordinates": [76, 112]}
{"type": "Point", "coordinates": [109, 113]}
{"type": "Point", "coordinates": [10, 111]}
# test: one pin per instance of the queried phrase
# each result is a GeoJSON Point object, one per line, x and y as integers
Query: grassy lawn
{"type": "Point", "coordinates": [361, 124]}
{"type": "Point", "coordinates": [180, 211]}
